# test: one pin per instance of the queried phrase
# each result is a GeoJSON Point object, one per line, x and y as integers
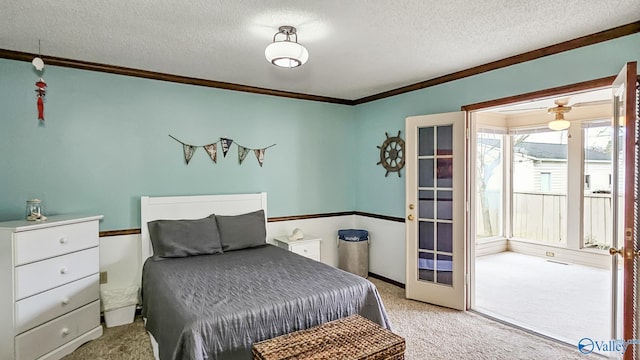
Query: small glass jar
{"type": "Point", "coordinates": [34, 210]}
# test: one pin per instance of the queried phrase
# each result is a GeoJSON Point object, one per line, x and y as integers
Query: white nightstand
{"type": "Point", "coordinates": [309, 246]}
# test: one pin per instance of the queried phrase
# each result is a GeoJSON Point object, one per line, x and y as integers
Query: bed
{"type": "Point", "coordinates": [215, 306]}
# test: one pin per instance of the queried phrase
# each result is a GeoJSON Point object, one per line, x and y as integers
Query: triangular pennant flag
{"type": "Point", "coordinates": [188, 152]}
{"type": "Point", "coordinates": [242, 153]}
{"type": "Point", "coordinates": [212, 150]}
{"type": "Point", "coordinates": [226, 144]}
{"type": "Point", "coordinates": [260, 155]}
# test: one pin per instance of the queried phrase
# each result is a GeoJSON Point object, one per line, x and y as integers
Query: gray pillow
{"type": "Point", "coordinates": [180, 238]}
{"type": "Point", "coordinates": [242, 231]}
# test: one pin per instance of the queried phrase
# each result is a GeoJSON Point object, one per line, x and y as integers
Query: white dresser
{"type": "Point", "coordinates": [309, 246]}
{"type": "Point", "coordinates": [49, 275]}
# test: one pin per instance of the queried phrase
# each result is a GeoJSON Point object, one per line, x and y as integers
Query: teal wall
{"type": "Point", "coordinates": [105, 139]}
{"type": "Point", "coordinates": [105, 143]}
{"type": "Point", "coordinates": [386, 196]}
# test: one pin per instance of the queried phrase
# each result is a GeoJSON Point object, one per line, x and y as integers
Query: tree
{"type": "Point", "coordinates": [489, 157]}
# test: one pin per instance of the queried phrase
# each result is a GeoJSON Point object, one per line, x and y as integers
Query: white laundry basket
{"type": "Point", "coordinates": [119, 305]}
{"type": "Point", "coordinates": [353, 251]}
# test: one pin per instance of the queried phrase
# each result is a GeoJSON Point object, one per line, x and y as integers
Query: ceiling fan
{"type": "Point", "coordinates": [563, 101]}
{"type": "Point", "coordinates": [561, 108]}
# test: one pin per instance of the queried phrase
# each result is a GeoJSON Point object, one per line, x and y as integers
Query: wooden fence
{"type": "Point", "coordinates": [542, 217]}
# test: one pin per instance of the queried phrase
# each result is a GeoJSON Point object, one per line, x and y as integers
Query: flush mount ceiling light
{"type": "Point", "coordinates": [286, 53]}
{"type": "Point", "coordinates": [559, 123]}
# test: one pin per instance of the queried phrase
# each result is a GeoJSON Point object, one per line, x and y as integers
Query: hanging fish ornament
{"type": "Point", "coordinates": [41, 91]}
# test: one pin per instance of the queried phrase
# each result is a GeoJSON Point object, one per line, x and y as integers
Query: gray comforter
{"type": "Point", "coordinates": [217, 306]}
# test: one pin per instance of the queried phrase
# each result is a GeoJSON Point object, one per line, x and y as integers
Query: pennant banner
{"type": "Point", "coordinates": [212, 150]}
{"type": "Point", "coordinates": [226, 145]}
{"type": "Point", "coordinates": [188, 152]}
{"type": "Point", "coordinates": [260, 155]}
{"type": "Point", "coordinates": [242, 153]}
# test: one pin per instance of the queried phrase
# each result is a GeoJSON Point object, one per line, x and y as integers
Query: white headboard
{"type": "Point", "coordinates": [194, 207]}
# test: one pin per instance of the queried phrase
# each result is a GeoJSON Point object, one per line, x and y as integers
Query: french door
{"type": "Point", "coordinates": [625, 205]}
{"type": "Point", "coordinates": [436, 222]}
{"type": "Point", "coordinates": [435, 209]}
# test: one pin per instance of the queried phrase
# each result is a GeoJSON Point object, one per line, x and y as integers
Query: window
{"type": "Point", "coordinates": [545, 182]}
{"type": "Point", "coordinates": [597, 184]}
{"type": "Point", "coordinates": [539, 183]}
{"type": "Point", "coordinates": [587, 182]}
{"type": "Point", "coordinates": [489, 175]}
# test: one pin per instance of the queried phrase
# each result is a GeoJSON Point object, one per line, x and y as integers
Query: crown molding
{"type": "Point", "coordinates": [587, 40]}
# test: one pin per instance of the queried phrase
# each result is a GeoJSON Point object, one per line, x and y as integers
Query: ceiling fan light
{"type": "Point", "coordinates": [558, 125]}
{"type": "Point", "coordinates": [286, 53]}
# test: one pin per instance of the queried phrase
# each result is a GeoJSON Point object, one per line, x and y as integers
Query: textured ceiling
{"type": "Point", "coordinates": [357, 48]}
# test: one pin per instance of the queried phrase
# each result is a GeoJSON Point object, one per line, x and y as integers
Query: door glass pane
{"type": "Point", "coordinates": [425, 170]}
{"type": "Point", "coordinates": [539, 176]}
{"type": "Point", "coordinates": [425, 266]}
{"type": "Point", "coordinates": [597, 185]}
{"type": "Point", "coordinates": [445, 172]}
{"type": "Point", "coordinates": [425, 141]}
{"type": "Point", "coordinates": [444, 269]}
{"type": "Point", "coordinates": [445, 205]}
{"type": "Point", "coordinates": [445, 140]}
{"type": "Point", "coordinates": [445, 237]}
{"type": "Point", "coordinates": [426, 236]}
{"type": "Point", "coordinates": [425, 205]}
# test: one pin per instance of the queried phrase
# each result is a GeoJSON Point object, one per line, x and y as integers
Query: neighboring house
{"type": "Point", "coordinates": [542, 167]}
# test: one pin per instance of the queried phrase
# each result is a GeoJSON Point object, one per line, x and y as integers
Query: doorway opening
{"type": "Point", "coordinates": [541, 220]}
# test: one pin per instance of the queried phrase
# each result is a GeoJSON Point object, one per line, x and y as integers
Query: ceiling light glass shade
{"type": "Point", "coordinates": [286, 54]}
{"type": "Point", "coordinates": [559, 124]}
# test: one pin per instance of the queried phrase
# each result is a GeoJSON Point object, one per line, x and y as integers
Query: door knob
{"type": "Point", "coordinates": [411, 206]}
{"type": "Point", "coordinates": [621, 252]}
{"type": "Point", "coordinates": [410, 217]}
{"type": "Point", "coordinates": [614, 251]}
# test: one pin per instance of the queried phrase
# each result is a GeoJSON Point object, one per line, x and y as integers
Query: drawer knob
{"type": "Point", "coordinates": [65, 301]}
{"type": "Point", "coordinates": [63, 270]}
{"type": "Point", "coordinates": [64, 332]}
{"type": "Point", "coordinates": [305, 250]}
{"type": "Point", "coordinates": [63, 240]}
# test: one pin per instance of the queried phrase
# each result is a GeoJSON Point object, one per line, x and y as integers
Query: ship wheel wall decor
{"type": "Point", "coordinates": [392, 154]}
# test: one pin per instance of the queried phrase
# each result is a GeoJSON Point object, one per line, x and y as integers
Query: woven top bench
{"type": "Point", "coordinates": [353, 337]}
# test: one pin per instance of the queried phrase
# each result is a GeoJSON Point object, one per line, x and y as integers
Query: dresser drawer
{"type": "Point", "coordinates": [38, 309]}
{"type": "Point", "coordinates": [44, 338]}
{"type": "Point", "coordinates": [34, 245]}
{"type": "Point", "coordinates": [43, 275]}
{"type": "Point", "coordinates": [310, 250]}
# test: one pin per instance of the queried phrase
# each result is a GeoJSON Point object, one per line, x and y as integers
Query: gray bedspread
{"type": "Point", "coordinates": [217, 306]}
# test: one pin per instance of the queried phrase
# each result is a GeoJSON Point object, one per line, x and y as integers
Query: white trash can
{"type": "Point", "coordinates": [353, 251]}
{"type": "Point", "coordinates": [119, 305]}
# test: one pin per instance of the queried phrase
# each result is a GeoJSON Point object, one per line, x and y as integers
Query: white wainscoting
{"type": "Point", "coordinates": [120, 255]}
{"type": "Point", "coordinates": [325, 228]}
{"type": "Point", "coordinates": [387, 247]}
{"type": "Point", "coordinates": [120, 258]}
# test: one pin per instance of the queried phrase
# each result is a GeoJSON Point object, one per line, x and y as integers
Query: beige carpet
{"type": "Point", "coordinates": [431, 332]}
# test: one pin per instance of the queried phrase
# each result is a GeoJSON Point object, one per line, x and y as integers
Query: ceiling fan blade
{"type": "Point", "coordinates": [522, 109]}
{"type": "Point", "coordinates": [592, 103]}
